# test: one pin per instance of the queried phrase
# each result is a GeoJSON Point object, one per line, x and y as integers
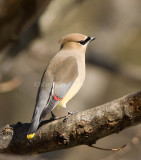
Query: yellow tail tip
{"type": "Point", "coordinates": [30, 136]}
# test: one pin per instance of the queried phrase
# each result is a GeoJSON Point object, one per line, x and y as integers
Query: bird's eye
{"type": "Point", "coordinates": [82, 42]}
{"type": "Point", "coordinates": [85, 41]}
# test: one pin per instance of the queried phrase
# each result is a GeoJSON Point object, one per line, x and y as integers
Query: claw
{"type": "Point", "coordinates": [69, 114]}
{"type": "Point", "coordinates": [53, 117]}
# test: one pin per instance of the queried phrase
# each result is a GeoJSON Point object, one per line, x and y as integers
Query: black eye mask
{"type": "Point", "coordinates": [85, 41]}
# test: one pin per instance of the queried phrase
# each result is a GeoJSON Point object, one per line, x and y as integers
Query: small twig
{"type": "Point", "coordinates": [108, 149]}
{"type": "Point", "coordinates": [129, 147]}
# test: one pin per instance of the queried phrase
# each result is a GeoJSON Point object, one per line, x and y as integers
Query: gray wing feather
{"type": "Point", "coordinates": [60, 91]}
{"type": "Point", "coordinates": [42, 96]}
{"type": "Point", "coordinates": [55, 81]}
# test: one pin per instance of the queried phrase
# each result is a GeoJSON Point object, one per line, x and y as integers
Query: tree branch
{"type": "Point", "coordinates": [85, 127]}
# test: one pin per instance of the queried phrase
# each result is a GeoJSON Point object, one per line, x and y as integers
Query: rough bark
{"type": "Point", "coordinates": [85, 127]}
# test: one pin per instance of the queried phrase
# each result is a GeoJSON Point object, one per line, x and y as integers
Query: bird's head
{"type": "Point", "coordinates": [75, 40]}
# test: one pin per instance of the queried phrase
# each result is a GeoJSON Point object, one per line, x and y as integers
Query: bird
{"type": "Point", "coordinates": [62, 78]}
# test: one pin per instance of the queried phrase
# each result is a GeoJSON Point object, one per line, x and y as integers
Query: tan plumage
{"type": "Point", "coordinates": [62, 79]}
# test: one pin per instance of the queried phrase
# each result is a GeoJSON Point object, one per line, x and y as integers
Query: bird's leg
{"type": "Point", "coordinates": [53, 117]}
{"type": "Point", "coordinates": [69, 114]}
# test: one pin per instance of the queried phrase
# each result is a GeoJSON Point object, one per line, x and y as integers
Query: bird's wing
{"type": "Point", "coordinates": [56, 82]}
{"type": "Point", "coordinates": [42, 96]}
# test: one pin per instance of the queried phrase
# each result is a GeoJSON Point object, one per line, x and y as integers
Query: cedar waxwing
{"type": "Point", "coordinates": [62, 79]}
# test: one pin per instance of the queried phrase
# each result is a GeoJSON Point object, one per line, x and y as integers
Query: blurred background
{"type": "Point", "coordinates": [30, 31]}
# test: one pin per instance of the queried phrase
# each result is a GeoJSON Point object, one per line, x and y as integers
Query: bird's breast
{"type": "Point", "coordinates": [73, 90]}
{"type": "Point", "coordinates": [75, 87]}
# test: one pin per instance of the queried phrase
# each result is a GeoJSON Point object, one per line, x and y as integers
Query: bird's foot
{"type": "Point", "coordinates": [69, 114]}
{"type": "Point", "coordinates": [53, 117]}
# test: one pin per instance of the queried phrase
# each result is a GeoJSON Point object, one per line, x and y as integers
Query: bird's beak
{"type": "Point", "coordinates": [92, 38]}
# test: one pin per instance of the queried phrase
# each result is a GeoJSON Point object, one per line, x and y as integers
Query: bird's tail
{"type": "Point", "coordinates": [33, 128]}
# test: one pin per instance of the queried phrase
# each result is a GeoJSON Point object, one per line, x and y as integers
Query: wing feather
{"type": "Point", "coordinates": [57, 79]}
